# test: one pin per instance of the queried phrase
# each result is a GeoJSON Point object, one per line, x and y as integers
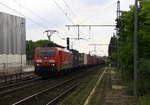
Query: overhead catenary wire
{"type": "Point", "coordinates": [93, 16]}
{"type": "Point", "coordinates": [66, 4]}
{"type": "Point", "coordinates": [63, 11]}
{"type": "Point", "coordinates": [41, 26]}
{"type": "Point", "coordinates": [33, 13]}
{"type": "Point", "coordinates": [69, 8]}
{"type": "Point", "coordinates": [22, 15]}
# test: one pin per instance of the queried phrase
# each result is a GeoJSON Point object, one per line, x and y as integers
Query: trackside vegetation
{"type": "Point", "coordinates": [121, 48]}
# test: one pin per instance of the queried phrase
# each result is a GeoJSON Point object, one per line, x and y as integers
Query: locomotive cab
{"type": "Point", "coordinates": [45, 60]}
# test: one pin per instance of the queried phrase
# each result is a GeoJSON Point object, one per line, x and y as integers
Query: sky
{"type": "Point", "coordinates": [44, 15]}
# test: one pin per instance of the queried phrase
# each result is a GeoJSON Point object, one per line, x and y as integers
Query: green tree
{"type": "Point", "coordinates": [125, 45]}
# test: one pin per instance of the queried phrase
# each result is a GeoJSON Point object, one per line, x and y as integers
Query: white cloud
{"type": "Point", "coordinates": [86, 12]}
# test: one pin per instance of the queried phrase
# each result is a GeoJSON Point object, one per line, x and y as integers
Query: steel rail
{"type": "Point", "coordinates": [19, 83]}
{"type": "Point", "coordinates": [62, 94]}
{"type": "Point", "coordinates": [56, 99]}
{"type": "Point", "coordinates": [48, 89]}
{"type": "Point", "coordinates": [15, 89]}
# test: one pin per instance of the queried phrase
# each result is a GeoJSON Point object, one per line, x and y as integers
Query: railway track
{"type": "Point", "coordinates": [12, 95]}
{"type": "Point", "coordinates": [52, 94]}
{"type": "Point", "coordinates": [16, 86]}
{"type": "Point", "coordinates": [37, 86]}
{"type": "Point", "coordinates": [55, 100]}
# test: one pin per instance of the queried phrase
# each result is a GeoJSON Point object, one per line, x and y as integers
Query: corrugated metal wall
{"type": "Point", "coordinates": [12, 34]}
{"type": "Point", "coordinates": [12, 43]}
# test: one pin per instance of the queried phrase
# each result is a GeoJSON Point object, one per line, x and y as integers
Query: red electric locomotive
{"type": "Point", "coordinates": [51, 59]}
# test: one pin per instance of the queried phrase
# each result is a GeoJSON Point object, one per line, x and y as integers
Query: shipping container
{"type": "Point", "coordinates": [81, 59]}
{"type": "Point", "coordinates": [94, 59]}
{"type": "Point", "coordinates": [89, 59]}
{"type": "Point", "coordinates": [85, 59]}
{"type": "Point", "coordinates": [75, 58]}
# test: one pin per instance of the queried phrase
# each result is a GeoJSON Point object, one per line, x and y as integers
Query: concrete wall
{"type": "Point", "coordinates": [12, 63]}
{"type": "Point", "coordinates": [12, 59]}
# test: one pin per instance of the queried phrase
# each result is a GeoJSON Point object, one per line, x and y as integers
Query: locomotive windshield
{"type": "Point", "coordinates": [46, 52]}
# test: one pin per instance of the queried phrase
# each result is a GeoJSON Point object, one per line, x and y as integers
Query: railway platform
{"type": "Point", "coordinates": [115, 94]}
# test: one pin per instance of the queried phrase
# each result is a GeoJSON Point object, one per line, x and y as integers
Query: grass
{"type": "Point", "coordinates": [145, 100]}
{"type": "Point", "coordinates": [98, 96]}
{"type": "Point", "coordinates": [81, 93]}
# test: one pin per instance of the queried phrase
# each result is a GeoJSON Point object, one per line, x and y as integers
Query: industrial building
{"type": "Point", "coordinates": [12, 41]}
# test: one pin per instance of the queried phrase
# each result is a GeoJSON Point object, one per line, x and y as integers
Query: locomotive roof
{"type": "Point", "coordinates": [63, 49]}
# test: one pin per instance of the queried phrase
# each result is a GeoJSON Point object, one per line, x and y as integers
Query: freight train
{"type": "Point", "coordinates": [49, 60]}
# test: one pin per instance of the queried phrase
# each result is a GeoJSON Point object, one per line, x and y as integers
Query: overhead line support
{"type": "Point", "coordinates": [90, 25]}
{"type": "Point", "coordinates": [78, 27]}
{"type": "Point", "coordinates": [135, 90]}
{"type": "Point", "coordinates": [117, 32]}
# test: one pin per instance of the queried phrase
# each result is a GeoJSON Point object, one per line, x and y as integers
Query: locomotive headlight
{"type": "Point", "coordinates": [51, 61]}
{"type": "Point", "coordinates": [52, 64]}
{"type": "Point", "coordinates": [39, 61]}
